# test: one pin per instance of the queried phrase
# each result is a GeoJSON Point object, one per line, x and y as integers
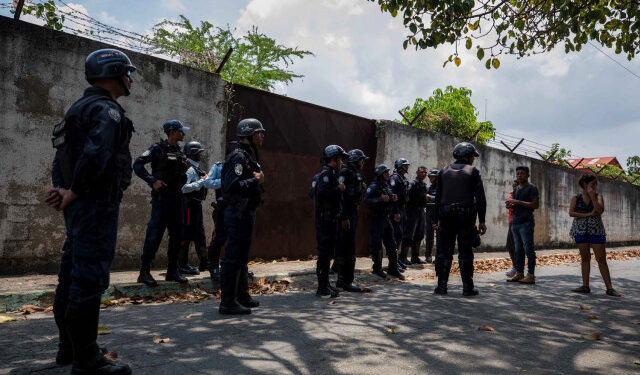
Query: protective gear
{"type": "Point", "coordinates": [401, 162]}
{"type": "Point", "coordinates": [193, 148]}
{"type": "Point", "coordinates": [242, 294]}
{"type": "Point", "coordinates": [145, 276]}
{"type": "Point", "coordinates": [442, 271]}
{"type": "Point", "coordinates": [328, 199]}
{"type": "Point", "coordinates": [380, 169]}
{"type": "Point", "coordinates": [107, 63]}
{"type": "Point", "coordinates": [356, 155]}
{"type": "Point", "coordinates": [247, 127]}
{"type": "Point", "coordinates": [433, 173]}
{"type": "Point", "coordinates": [324, 291]}
{"type": "Point", "coordinates": [173, 125]}
{"type": "Point", "coordinates": [463, 150]}
{"type": "Point", "coordinates": [332, 151]}
{"type": "Point", "coordinates": [466, 273]}
{"type": "Point", "coordinates": [228, 303]}
{"type": "Point", "coordinates": [175, 275]}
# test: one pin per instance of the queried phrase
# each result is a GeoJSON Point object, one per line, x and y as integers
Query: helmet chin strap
{"type": "Point", "coordinates": [124, 86]}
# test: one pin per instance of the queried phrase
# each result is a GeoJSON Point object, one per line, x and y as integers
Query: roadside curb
{"type": "Point", "coordinates": [13, 301]}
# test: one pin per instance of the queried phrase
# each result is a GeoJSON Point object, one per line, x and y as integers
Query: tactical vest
{"type": "Point", "coordinates": [417, 194]}
{"type": "Point", "coordinates": [198, 195]}
{"type": "Point", "coordinates": [69, 136]}
{"type": "Point", "coordinates": [170, 168]}
{"type": "Point", "coordinates": [457, 185]}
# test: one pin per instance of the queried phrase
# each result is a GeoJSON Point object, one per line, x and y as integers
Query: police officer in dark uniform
{"type": "Point", "coordinates": [382, 205]}
{"type": "Point", "coordinates": [460, 199]}
{"type": "Point", "coordinates": [194, 192]}
{"type": "Point", "coordinates": [328, 201]}
{"type": "Point", "coordinates": [242, 179]}
{"type": "Point", "coordinates": [416, 215]}
{"type": "Point", "coordinates": [219, 236]}
{"type": "Point", "coordinates": [351, 199]}
{"type": "Point", "coordinates": [168, 175]}
{"type": "Point", "coordinates": [431, 206]}
{"type": "Point", "coordinates": [400, 186]}
{"type": "Point", "coordinates": [90, 172]}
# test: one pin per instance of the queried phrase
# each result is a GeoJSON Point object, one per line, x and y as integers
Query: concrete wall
{"type": "Point", "coordinates": [557, 185]}
{"type": "Point", "coordinates": [42, 75]}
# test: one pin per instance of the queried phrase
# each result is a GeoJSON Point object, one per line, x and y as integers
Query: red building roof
{"type": "Point", "coordinates": [593, 162]}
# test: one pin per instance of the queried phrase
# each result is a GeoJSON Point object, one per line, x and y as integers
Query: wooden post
{"type": "Point", "coordinates": [17, 4]}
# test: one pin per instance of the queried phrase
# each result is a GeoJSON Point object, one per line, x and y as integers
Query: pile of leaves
{"type": "Point", "coordinates": [194, 296]}
{"type": "Point", "coordinates": [504, 264]}
{"type": "Point", "coordinates": [264, 286]}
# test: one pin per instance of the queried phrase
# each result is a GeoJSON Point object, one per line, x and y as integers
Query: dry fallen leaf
{"type": "Point", "coordinates": [112, 355]}
{"type": "Point", "coordinates": [592, 336]}
{"type": "Point", "coordinates": [48, 309]}
{"type": "Point", "coordinates": [575, 340]}
{"type": "Point", "coordinates": [592, 317]}
{"type": "Point", "coordinates": [486, 328]}
{"type": "Point", "coordinates": [367, 290]}
{"type": "Point", "coordinates": [103, 330]}
{"type": "Point", "coordinates": [188, 316]}
{"type": "Point", "coordinates": [28, 309]}
{"type": "Point", "coordinates": [160, 340]}
{"type": "Point", "coordinates": [391, 330]}
{"type": "Point", "coordinates": [636, 362]}
{"type": "Point", "coordinates": [331, 303]}
{"type": "Point", "coordinates": [6, 319]}
{"type": "Point", "coordinates": [585, 307]}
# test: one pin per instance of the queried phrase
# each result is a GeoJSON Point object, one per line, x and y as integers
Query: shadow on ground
{"type": "Point", "coordinates": [399, 328]}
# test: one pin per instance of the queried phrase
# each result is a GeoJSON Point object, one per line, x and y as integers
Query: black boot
{"type": "Point", "coordinates": [349, 275]}
{"type": "Point", "coordinates": [402, 259]}
{"type": "Point", "coordinates": [466, 273]}
{"type": "Point", "coordinates": [175, 275]}
{"type": "Point", "coordinates": [377, 266]}
{"type": "Point", "coordinates": [323, 284]}
{"type": "Point", "coordinates": [82, 326]}
{"type": "Point", "coordinates": [145, 276]}
{"type": "Point", "coordinates": [214, 274]}
{"type": "Point", "coordinates": [213, 257]}
{"type": "Point", "coordinates": [244, 298]}
{"type": "Point", "coordinates": [228, 303]}
{"type": "Point", "coordinates": [415, 254]}
{"type": "Point", "coordinates": [393, 266]}
{"type": "Point", "coordinates": [442, 270]}
{"type": "Point", "coordinates": [65, 350]}
{"type": "Point", "coordinates": [201, 250]}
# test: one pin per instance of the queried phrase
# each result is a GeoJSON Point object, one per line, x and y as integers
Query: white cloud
{"type": "Point", "coordinates": [173, 5]}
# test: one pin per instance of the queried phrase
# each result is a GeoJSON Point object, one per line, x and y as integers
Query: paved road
{"type": "Point", "coordinates": [537, 331]}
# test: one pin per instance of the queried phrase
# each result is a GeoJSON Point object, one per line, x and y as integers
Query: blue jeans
{"type": "Point", "coordinates": [523, 242]}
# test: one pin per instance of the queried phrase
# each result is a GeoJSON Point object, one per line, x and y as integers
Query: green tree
{"type": "Point", "coordinates": [450, 112]}
{"type": "Point", "coordinates": [46, 11]}
{"type": "Point", "coordinates": [633, 165]}
{"type": "Point", "coordinates": [557, 154]}
{"type": "Point", "coordinates": [257, 60]}
{"type": "Point", "coordinates": [517, 27]}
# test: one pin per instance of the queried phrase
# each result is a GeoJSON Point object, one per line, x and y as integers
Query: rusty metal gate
{"type": "Point", "coordinates": [297, 133]}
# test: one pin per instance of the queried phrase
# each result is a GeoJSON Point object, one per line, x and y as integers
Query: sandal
{"type": "Point", "coordinates": [612, 292]}
{"type": "Point", "coordinates": [582, 289]}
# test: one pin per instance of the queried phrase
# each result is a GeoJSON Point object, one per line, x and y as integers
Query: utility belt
{"type": "Point", "coordinates": [458, 209]}
{"type": "Point", "coordinates": [242, 205]}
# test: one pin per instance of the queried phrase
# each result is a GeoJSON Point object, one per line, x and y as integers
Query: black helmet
{"type": "Point", "coordinates": [107, 63]}
{"type": "Point", "coordinates": [248, 126]}
{"type": "Point", "coordinates": [356, 155]}
{"type": "Point", "coordinates": [433, 172]}
{"type": "Point", "coordinates": [332, 151]}
{"type": "Point", "coordinates": [173, 125]}
{"type": "Point", "coordinates": [400, 162]}
{"type": "Point", "coordinates": [193, 148]}
{"type": "Point", "coordinates": [380, 169]}
{"type": "Point", "coordinates": [464, 149]}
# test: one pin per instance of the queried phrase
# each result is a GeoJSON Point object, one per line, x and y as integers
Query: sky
{"type": "Point", "coordinates": [584, 101]}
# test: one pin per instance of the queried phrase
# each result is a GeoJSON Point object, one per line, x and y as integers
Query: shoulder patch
{"type": "Point", "coordinates": [146, 153]}
{"type": "Point", "coordinates": [368, 190]}
{"type": "Point", "coordinates": [313, 184]}
{"type": "Point", "coordinates": [238, 169]}
{"type": "Point", "coordinates": [325, 179]}
{"type": "Point", "coordinates": [114, 114]}
{"type": "Point", "coordinates": [341, 180]}
{"type": "Point", "coordinates": [393, 182]}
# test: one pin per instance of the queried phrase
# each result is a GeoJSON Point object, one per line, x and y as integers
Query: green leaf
{"type": "Point", "coordinates": [468, 44]}
{"type": "Point", "coordinates": [457, 61]}
{"type": "Point", "coordinates": [413, 28]}
{"type": "Point", "coordinates": [480, 54]}
{"type": "Point", "coordinates": [495, 63]}
{"type": "Point", "coordinates": [405, 44]}
{"type": "Point", "coordinates": [488, 64]}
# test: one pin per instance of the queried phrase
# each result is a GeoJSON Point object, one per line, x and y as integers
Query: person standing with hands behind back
{"type": "Point", "coordinates": [588, 231]}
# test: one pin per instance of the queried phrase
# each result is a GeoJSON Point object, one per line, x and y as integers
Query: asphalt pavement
{"type": "Point", "coordinates": [399, 328]}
